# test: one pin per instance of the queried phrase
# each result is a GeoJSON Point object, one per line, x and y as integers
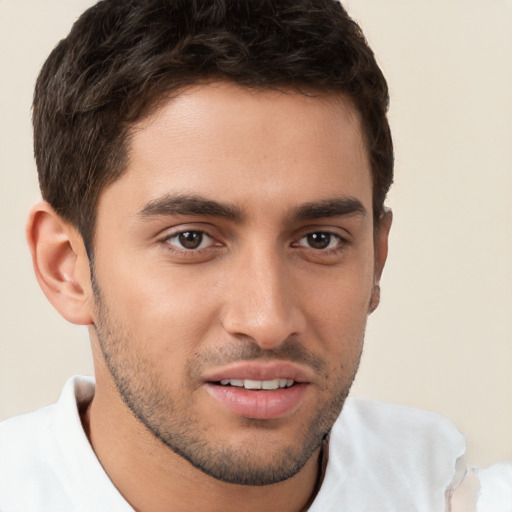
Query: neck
{"type": "Point", "coordinates": [152, 478]}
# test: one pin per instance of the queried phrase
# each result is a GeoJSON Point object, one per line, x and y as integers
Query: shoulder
{"type": "Point", "coordinates": [21, 434]}
{"type": "Point", "coordinates": [397, 424]}
{"type": "Point", "coordinates": [29, 439]}
{"type": "Point", "coordinates": [37, 450]}
{"type": "Point", "coordinates": [390, 458]}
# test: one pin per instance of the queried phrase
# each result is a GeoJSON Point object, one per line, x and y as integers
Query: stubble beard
{"type": "Point", "coordinates": [170, 418]}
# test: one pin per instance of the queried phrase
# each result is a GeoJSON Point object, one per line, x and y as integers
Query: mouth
{"type": "Point", "coordinates": [257, 390]}
{"type": "Point", "coordinates": [268, 385]}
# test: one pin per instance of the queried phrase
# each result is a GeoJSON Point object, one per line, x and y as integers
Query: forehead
{"type": "Point", "coordinates": [261, 148]}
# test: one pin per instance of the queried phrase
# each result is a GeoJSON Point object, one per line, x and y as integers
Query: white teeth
{"type": "Point", "coordinates": [252, 384]}
{"type": "Point", "coordinates": [232, 382]}
{"type": "Point", "coordinates": [270, 384]}
{"type": "Point", "coordinates": [258, 384]}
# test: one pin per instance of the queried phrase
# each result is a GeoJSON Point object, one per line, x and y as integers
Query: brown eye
{"type": "Point", "coordinates": [189, 240]}
{"type": "Point", "coordinates": [320, 240]}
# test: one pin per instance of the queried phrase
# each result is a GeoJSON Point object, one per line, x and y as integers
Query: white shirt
{"type": "Point", "coordinates": [382, 457]}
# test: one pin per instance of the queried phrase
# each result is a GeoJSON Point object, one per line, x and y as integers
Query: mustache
{"type": "Point", "coordinates": [245, 350]}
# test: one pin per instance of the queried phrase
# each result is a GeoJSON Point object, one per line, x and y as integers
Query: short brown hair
{"type": "Point", "coordinates": [123, 56]}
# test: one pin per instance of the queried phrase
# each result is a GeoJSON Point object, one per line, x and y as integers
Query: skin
{"type": "Point", "coordinates": [261, 287]}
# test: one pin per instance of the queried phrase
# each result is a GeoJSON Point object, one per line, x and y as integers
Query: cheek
{"type": "Point", "coordinates": [340, 316]}
{"type": "Point", "coordinates": [165, 313]}
{"type": "Point", "coordinates": [338, 307]}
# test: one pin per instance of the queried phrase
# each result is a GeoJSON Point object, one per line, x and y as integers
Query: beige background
{"type": "Point", "coordinates": [442, 339]}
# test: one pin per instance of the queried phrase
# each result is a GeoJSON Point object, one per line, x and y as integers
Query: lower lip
{"type": "Point", "coordinates": [256, 404]}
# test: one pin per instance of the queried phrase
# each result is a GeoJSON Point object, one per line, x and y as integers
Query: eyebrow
{"type": "Point", "coordinates": [329, 208]}
{"type": "Point", "coordinates": [190, 205]}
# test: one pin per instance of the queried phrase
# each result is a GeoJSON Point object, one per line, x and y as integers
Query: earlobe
{"type": "Point", "coordinates": [60, 263]}
{"type": "Point", "coordinates": [381, 254]}
{"type": "Point", "coordinates": [375, 298]}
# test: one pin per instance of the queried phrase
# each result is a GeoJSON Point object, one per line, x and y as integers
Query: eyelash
{"type": "Point", "coordinates": [188, 251]}
{"type": "Point", "coordinates": [340, 245]}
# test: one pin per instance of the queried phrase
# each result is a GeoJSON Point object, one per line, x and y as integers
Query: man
{"type": "Point", "coordinates": [214, 176]}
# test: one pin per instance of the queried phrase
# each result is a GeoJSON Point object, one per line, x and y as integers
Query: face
{"type": "Point", "coordinates": [234, 268]}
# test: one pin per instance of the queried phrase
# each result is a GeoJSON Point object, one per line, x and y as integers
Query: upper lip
{"type": "Point", "coordinates": [260, 370]}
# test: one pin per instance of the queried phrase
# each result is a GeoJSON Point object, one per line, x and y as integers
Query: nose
{"type": "Point", "coordinates": [261, 301]}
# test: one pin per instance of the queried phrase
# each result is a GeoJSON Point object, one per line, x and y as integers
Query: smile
{"type": "Point", "coordinates": [258, 384]}
{"type": "Point", "coordinates": [263, 390]}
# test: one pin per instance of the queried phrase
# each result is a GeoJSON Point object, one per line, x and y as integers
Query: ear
{"type": "Point", "coordinates": [60, 263]}
{"type": "Point", "coordinates": [381, 254]}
